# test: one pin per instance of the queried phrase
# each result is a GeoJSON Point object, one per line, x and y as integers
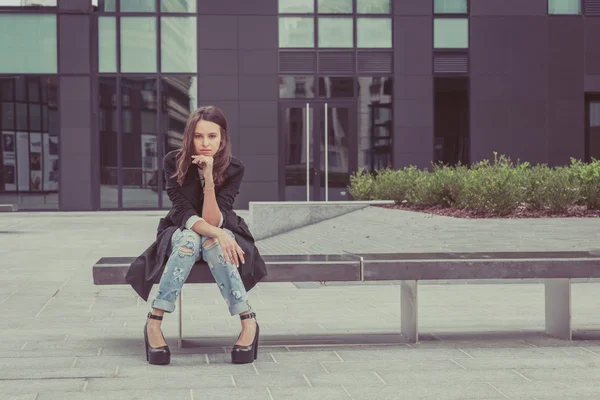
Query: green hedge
{"type": "Point", "coordinates": [498, 186]}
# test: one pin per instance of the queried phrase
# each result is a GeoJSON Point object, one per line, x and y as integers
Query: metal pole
{"type": "Point", "coordinates": [326, 133]}
{"type": "Point", "coordinates": [307, 153]}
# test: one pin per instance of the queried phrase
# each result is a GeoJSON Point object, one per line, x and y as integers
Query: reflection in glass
{"type": "Point", "coordinates": [138, 44]}
{"type": "Point", "coordinates": [335, 32]}
{"type": "Point", "coordinates": [296, 87]}
{"type": "Point", "coordinates": [594, 130]}
{"type": "Point", "coordinates": [294, 138]}
{"type": "Point", "coordinates": [109, 184]}
{"type": "Point", "coordinates": [110, 5]}
{"type": "Point", "coordinates": [451, 33]}
{"type": "Point", "coordinates": [29, 151]}
{"type": "Point", "coordinates": [336, 87]}
{"type": "Point", "coordinates": [178, 44]}
{"type": "Point", "coordinates": [182, 6]}
{"type": "Point", "coordinates": [296, 6]}
{"type": "Point", "coordinates": [179, 99]}
{"type": "Point", "coordinates": [373, 6]}
{"type": "Point", "coordinates": [374, 32]}
{"type": "Point", "coordinates": [450, 7]}
{"type": "Point", "coordinates": [338, 132]}
{"type": "Point", "coordinates": [107, 44]}
{"type": "Point", "coordinates": [139, 151]}
{"type": "Point", "coordinates": [138, 6]}
{"type": "Point", "coordinates": [28, 43]}
{"type": "Point", "coordinates": [375, 122]}
{"type": "Point", "coordinates": [565, 7]}
{"type": "Point", "coordinates": [296, 32]}
{"type": "Point", "coordinates": [335, 6]}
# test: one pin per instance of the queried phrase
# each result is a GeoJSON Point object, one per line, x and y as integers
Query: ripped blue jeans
{"type": "Point", "coordinates": [187, 247]}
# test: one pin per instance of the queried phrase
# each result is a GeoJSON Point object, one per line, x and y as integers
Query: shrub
{"type": "Point", "coordinates": [589, 182]}
{"type": "Point", "coordinates": [361, 185]}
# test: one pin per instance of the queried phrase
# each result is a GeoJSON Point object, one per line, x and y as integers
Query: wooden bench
{"type": "Point", "coordinates": [557, 269]}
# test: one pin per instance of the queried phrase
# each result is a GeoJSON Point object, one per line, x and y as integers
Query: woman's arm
{"type": "Point", "coordinates": [210, 208]}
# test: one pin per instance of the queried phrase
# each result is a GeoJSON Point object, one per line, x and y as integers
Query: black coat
{"type": "Point", "coordinates": [187, 200]}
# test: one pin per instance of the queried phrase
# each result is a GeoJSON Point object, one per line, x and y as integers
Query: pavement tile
{"type": "Point", "coordinates": [321, 393]}
{"type": "Point", "coordinates": [156, 394]}
{"type": "Point", "coordinates": [281, 380]}
{"type": "Point", "coordinates": [168, 380]}
{"type": "Point", "coordinates": [26, 386]}
{"type": "Point", "coordinates": [411, 391]}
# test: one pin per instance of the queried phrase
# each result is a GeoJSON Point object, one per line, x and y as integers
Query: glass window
{"type": "Point", "coordinates": [450, 7]}
{"type": "Point", "coordinates": [296, 32]}
{"type": "Point", "coordinates": [296, 6]}
{"type": "Point", "coordinates": [110, 5]}
{"type": "Point", "coordinates": [451, 33]}
{"type": "Point", "coordinates": [138, 44]}
{"type": "Point", "coordinates": [107, 44]}
{"type": "Point", "coordinates": [296, 87]}
{"type": "Point", "coordinates": [28, 43]}
{"type": "Point", "coordinates": [138, 6]}
{"type": "Point", "coordinates": [375, 125]}
{"type": "Point", "coordinates": [180, 94]}
{"type": "Point", "coordinates": [178, 6]}
{"type": "Point", "coordinates": [336, 87]}
{"type": "Point", "coordinates": [139, 152]}
{"type": "Point", "coordinates": [335, 6]}
{"type": "Point", "coordinates": [33, 86]}
{"type": "Point", "coordinates": [564, 7]}
{"type": "Point", "coordinates": [19, 3]}
{"type": "Point", "coordinates": [374, 32]}
{"type": "Point", "coordinates": [374, 6]}
{"type": "Point", "coordinates": [335, 32]}
{"type": "Point", "coordinates": [178, 44]}
{"type": "Point", "coordinates": [29, 162]}
{"type": "Point", "coordinates": [109, 185]}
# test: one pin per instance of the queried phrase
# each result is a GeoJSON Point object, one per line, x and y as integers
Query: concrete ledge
{"type": "Point", "coordinates": [270, 218]}
{"type": "Point", "coordinates": [8, 207]}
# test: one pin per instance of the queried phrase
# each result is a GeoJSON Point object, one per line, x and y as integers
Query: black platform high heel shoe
{"type": "Point", "coordinates": [156, 355]}
{"type": "Point", "coordinates": [246, 354]}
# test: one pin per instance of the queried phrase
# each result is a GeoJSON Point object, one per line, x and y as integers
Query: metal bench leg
{"type": "Point", "coordinates": [558, 308]}
{"type": "Point", "coordinates": [179, 319]}
{"type": "Point", "coordinates": [408, 310]}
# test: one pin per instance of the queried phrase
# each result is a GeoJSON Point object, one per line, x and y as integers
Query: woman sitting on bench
{"type": "Point", "coordinates": [202, 181]}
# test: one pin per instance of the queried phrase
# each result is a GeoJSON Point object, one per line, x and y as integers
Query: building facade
{"type": "Point", "coordinates": [93, 94]}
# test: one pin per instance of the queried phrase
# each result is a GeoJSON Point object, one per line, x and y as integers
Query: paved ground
{"type": "Point", "coordinates": [61, 337]}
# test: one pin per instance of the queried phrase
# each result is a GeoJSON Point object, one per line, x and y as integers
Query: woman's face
{"type": "Point", "coordinates": [207, 138]}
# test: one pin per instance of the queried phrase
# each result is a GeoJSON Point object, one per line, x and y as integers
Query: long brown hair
{"type": "Point", "coordinates": [223, 155]}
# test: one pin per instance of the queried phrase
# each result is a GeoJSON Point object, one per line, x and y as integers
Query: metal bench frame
{"type": "Point", "coordinates": [557, 269]}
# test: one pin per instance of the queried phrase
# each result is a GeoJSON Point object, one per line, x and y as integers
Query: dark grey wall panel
{"type": "Point", "coordinates": [417, 87]}
{"type": "Point", "coordinates": [257, 7]}
{"type": "Point", "coordinates": [592, 83]}
{"type": "Point", "coordinates": [223, 7]}
{"type": "Point", "coordinates": [412, 7]}
{"type": "Point", "coordinates": [413, 86]}
{"type": "Point", "coordinates": [413, 44]}
{"type": "Point", "coordinates": [218, 62]}
{"type": "Point", "coordinates": [217, 32]}
{"type": "Point", "coordinates": [75, 5]}
{"type": "Point", "coordinates": [258, 62]}
{"type": "Point", "coordinates": [258, 113]}
{"type": "Point", "coordinates": [75, 144]}
{"type": "Point", "coordinates": [259, 141]}
{"type": "Point", "coordinates": [218, 87]}
{"type": "Point", "coordinates": [256, 191]}
{"type": "Point", "coordinates": [566, 109]}
{"type": "Point", "coordinates": [592, 46]}
{"type": "Point", "coordinates": [74, 48]}
{"type": "Point", "coordinates": [490, 46]}
{"type": "Point", "coordinates": [258, 32]}
{"type": "Point", "coordinates": [258, 87]}
{"type": "Point", "coordinates": [261, 167]}
{"type": "Point", "coordinates": [509, 7]}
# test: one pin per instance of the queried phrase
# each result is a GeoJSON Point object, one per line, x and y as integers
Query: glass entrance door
{"type": "Point", "coordinates": [318, 149]}
{"type": "Point", "coordinates": [593, 128]}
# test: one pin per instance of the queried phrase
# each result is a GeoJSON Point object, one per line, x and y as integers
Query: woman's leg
{"type": "Point", "coordinates": [186, 251]}
{"type": "Point", "coordinates": [230, 283]}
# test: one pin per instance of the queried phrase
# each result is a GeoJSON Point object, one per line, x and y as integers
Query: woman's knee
{"type": "Point", "coordinates": [188, 243]}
